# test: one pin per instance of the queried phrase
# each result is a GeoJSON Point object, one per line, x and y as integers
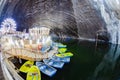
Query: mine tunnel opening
{"type": "Point", "coordinates": [102, 37]}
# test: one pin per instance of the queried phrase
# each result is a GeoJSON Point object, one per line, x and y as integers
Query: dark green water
{"type": "Point", "coordinates": [90, 62]}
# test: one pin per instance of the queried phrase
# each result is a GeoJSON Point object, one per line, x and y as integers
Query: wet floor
{"type": "Point", "coordinates": [90, 62]}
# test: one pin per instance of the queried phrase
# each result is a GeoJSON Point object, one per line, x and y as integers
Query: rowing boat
{"type": "Point", "coordinates": [46, 69]}
{"type": "Point", "coordinates": [67, 54]}
{"type": "Point", "coordinates": [33, 73]}
{"type": "Point", "coordinates": [51, 62]}
{"type": "Point", "coordinates": [27, 51]}
{"type": "Point", "coordinates": [26, 66]}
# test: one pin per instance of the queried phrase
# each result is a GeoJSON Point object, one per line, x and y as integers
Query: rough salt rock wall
{"type": "Point", "coordinates": [110, 13]}
{"type": "Point", "coordinates": [74, 18]}
{"type": "Point", "coordinates": [88, 19]}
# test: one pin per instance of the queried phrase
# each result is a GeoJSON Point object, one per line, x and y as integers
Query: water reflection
{"type": "Point", "coordinates": [90, 62]}
{"type": "Point", "coordinates": [105, 69]}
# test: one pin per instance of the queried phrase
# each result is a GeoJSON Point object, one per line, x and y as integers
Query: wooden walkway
{"type": "Point", "coordinates": [1, 72]}
{"type": "Point", "coordinates": [30, 54]}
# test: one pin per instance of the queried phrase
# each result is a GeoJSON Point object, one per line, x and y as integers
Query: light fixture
{"type": "Point", "coordinates": [8, 25]}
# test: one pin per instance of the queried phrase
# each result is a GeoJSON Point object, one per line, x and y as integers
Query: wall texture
{"type": "Point", "coordinates": [110, 12]}
{"type": "Point", "coordinates": [66, 18]}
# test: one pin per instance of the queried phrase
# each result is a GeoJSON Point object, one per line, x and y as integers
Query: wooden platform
{"type": "Point", "coordinates": [30, 54]}
{"type": "Point", "coordinates": [9, 70]}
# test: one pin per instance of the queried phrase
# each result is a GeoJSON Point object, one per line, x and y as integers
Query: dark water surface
{"type": "Point", "coordinates": [90, 62]}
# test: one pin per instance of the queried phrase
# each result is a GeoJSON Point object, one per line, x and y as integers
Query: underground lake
{"type": "Point", "coordinates": [90, 62]}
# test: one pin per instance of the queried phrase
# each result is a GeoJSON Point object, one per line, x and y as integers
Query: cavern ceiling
{"type": "Point", "coordinates": [74, 18]}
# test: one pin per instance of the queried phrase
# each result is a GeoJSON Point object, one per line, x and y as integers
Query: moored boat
{"type": "Point", "coordinates": [46, 69]}
{"type": "Point", "coordinates": [51, 62]}
{"type": "Point", "coordinates": [67, 54]}
{"type": "Point", "coordinates": [60, 45]}
{"type": "Point", "coordinates": [26, 66]}
{"type": "Point", "coordinates": [65, 59]}
{"type": "Point", "coordinates": [62, 50]}
{"type": "Point", "coordinates": [34, 73]}
{"type": "Point", "coordinates": [31, 47]}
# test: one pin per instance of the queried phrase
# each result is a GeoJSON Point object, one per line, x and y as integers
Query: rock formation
{"type": "Point", "coordinates": [81, 19]}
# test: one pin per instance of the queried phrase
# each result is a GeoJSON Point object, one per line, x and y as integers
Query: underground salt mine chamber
{"type": "Point", "coordinates": [60, 39]}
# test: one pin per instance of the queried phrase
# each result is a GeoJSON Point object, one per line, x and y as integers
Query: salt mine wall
{"type": "Point", "coordinates": [110, 12]}
{"type": "Point", "coordinates": [81, 19]}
